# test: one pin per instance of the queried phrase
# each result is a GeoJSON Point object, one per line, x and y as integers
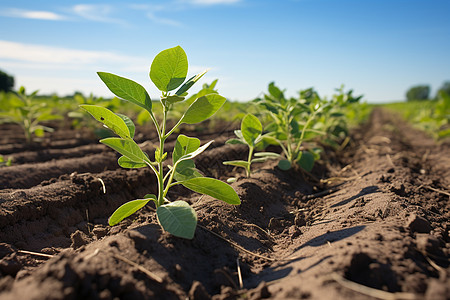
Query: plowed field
{"type": "Point", "coordinates": [370, 222]}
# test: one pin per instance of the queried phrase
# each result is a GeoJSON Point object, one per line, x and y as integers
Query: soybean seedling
{"type": "Point", "coordinates": [250, 135]}
{"type": "Point", "coordinates": [25, 111]}
{"type": "Point", "coordinates": [291, 124]}
{"type": "Point", "coordinates": [168, 72]}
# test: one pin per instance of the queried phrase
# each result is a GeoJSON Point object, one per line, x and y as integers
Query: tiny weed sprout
{"type": "Point", "coordinates": [250, 135]}
{"type": "Point", "coordinates": [25, 111]}
{"type": "Point", "coordinates": [168, 72]}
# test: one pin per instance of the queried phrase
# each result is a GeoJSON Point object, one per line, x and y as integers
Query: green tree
{"type": "Point", "coordinates": [418, 92]}
{"type": "Point", "coordinates": [444, 88]}
{"type": "Point", "coordinates": [6, 82]}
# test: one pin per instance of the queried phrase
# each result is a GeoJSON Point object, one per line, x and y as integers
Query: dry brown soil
{"type": "Point", "coordinates": [377, 226]}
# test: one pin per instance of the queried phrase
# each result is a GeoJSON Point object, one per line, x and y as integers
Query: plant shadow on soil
{"type": "Point", "coordinates": [365, 191]}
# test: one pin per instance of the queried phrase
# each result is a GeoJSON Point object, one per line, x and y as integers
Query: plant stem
{"type": "Point", "coordinates": [162, 139]}
{"type": "Point", "coordinates": [250, 154]}
{"type": "Point", "coordinates": [302, 136]}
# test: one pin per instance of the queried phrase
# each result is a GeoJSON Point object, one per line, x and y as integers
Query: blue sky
{"type": "Point", "coordinates": [379, 48]}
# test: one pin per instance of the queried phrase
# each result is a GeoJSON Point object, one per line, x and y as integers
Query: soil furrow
{"type": "Point", "coordinates": [383, 225]}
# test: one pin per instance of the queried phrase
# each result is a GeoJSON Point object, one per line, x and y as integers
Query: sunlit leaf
{"type": "Point", "coordinates": [169, 69]}
{"type": "Point", "coordinates": [214, 188]}
{"type": "Point", "coordinates": [178, 218]}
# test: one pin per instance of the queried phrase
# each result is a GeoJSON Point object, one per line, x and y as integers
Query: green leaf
{"type": "Point", "coordinates": [234, 142]}
{"type": "Point", "coordinates": [203, 108]}
{"type": "Point", "coordinates": [178, 218]}
{"type": "Point", "coordinates": [214, 188]}
{"type": "Point", "coordinates": [195, 153]}
{"type": "Point", "coordinates": [127, 163]}
{"type": "Point", "coordinates": [127, 210]}
{"type": "Point", "coordinates": [169, 69]}
{"type": "Point", "coordinates": [275, 91]}
{"type": "Point", "coordinates": [237, 163]}
{"type": "Point", "coordinates": [186, 170]}
{"type": "Point", "coordinates": [110, 119]}
{"type": "Point", "coordinates": [48, 117]}
{"type": "Point", "coordinates": [284, 164]}
{"type": "Point", "coordinates": [267, 154]}
{"type": "Point", "coordinates": [306, 161]}
{"type": "Point", "coordinates": [172, 99]}
{"type": "Point", "coordinates": [127, 89]}
{"type": "Point", "coordinates": [251, 129]}
{"type": "Point", "coordinates": [129, 123]}
{"type": "Point", "coordinates": [183, 146]}
{"type": "Point", "coordinates": [126, 147]}
{"type": "Point", "coordinates": [188, 84]}
{"type": "Point", "coordinates": [260, 159]}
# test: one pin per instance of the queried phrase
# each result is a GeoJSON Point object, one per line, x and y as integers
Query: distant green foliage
{"type": "Point", "coordinates": [5, 162]}
{"type": "Point", "coordinates": [27, 112]}
{"type": "Point", "coordinates": [294, 121]}
{"type": "Point", "coordinates": [431, 116]}
{"type": "Point", "coordinates": [419, 92]}
{"type": "Point", "coordinates": [6, 82]}
{"type": "Point", "coordinates": [445, 88]}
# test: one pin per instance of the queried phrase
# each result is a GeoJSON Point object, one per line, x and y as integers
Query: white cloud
{"type": "Point", "coordinates": [32, 14]}
{"type": "Point", "coordinates": [55, 55]}
{"type": "Point", "coordinates": [97, 13]}
{"type": "Point", "coordinates": [212, 2]}
{"type": "Point", "coordinates": [63, 70]}
{"type": "Point", "coordinates": [163, 21]}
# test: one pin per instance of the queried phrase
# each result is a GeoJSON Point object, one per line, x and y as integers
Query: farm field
{"type": "Point", "coordinates": [370, 221]}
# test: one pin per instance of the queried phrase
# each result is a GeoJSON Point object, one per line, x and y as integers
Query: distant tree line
{"type": "Point", "coordinates": [422, 92]}
{"type": "Point", "coordinates": [6, 82]}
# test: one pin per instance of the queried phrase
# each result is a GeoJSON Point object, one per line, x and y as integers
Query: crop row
{"type": "Point", "coordinates": [298, 128]}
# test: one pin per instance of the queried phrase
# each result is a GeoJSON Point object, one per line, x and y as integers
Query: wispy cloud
{"type": "Point", "coordinates": [68, 68]}
{"type": "Point", "coordinates": [32, 14]}
{"type": "Point", "coordinates": [164, 21]}
{"type": "Point", "coordinates": [153, 12]}
{"type": "Point", "coordinates": [97, 13]}
{"type": "Point", "coordinates": [211, 2]}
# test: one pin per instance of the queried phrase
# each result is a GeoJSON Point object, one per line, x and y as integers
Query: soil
{"type": "Point", "coordinates": [369, 222]}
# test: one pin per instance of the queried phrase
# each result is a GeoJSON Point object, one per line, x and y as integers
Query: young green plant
{"type": "Point", "coordinates": [250, 135]}
{"type": "Point", "coordinates": [291, 123]}
{"type": "Point", "coordinates": [25, 111]}
{"type": "Point", "coordinates": [168, 72]}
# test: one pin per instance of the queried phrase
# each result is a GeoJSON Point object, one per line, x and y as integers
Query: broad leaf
{"type": "Point", "coordinates": [127, 89]}
{"type": "Point", "coordinates": [251, 129]}
{"type": "Point", "coordinates": [172, 99]}
{"type": "Point", "coordinates": [214, 188]}
{"type": "Point", "coordinates": [203, 108]}
{"type": "Point", "coordinates": [129, 123]}
{"type": "Point", "coordinates": [184, 145]}
{"type": "Point", "coordinates": [127, 163]}
{"type": "Point", "coordinates": [178, 218]}
{"type": "Point", "coordinates": [126, 147]}
{"type": "Point", "coordinates": [275, 91]}
{"type": "Point", "coordinates": [169, 69]}
{"type": "Point", "coordinates": [110, 119]}
{"type": "Point", "coordinates": [306, 161]}
{"type": "Point", "coordinates": [284, 164]}
{"type": "Point", "coordinates": [186, 170]}
{"type": "Point", "coordinates": [127, 210]}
